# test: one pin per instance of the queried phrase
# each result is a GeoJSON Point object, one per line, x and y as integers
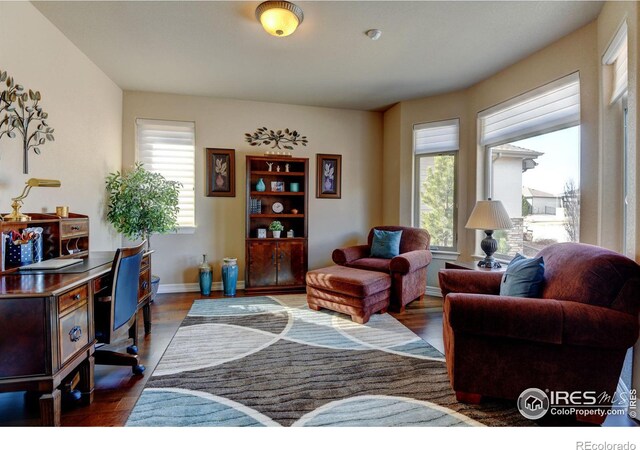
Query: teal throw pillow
{"type": "Point", "coordinates": [385, 244]}
{"type": "Point", "coordinates": [523, 278]}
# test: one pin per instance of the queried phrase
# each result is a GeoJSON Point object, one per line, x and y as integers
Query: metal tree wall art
{"type": "Point", "coordinates": [267, 137]}
{"type": "Point", "coordinates": [24, 118]}
{"type": "Point", "coordinates": [7, 98]}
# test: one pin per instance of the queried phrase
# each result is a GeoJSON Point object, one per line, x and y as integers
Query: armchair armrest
{"type": "Point", "coordinates": [542, 320]}
{"type": "Point", "coordinates": [530, 319]}
{"type": "Point", "coordinates": [342, 256]}
{"type": "Point", "coordinates": [410, 261]}
{"type": "Point", "coordinates": [469, 281]}
{"type": "Point", "coordinates": [597, 326]}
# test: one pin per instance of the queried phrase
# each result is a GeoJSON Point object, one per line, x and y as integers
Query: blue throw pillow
{"type": "Point", "coordinates": [385, 244]}
{"type": "Point", "coordinates": [523, 277]}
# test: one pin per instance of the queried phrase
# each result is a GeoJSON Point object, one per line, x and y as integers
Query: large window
{"type": "Point", "coordinates": [435, 147]}
{"type": "Point", "coordinates": [532, 149]}
{"type": "Point", "coordinates": [168, 148]}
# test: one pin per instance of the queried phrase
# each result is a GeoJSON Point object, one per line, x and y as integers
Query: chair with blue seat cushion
{"type": "Point", "coordinates": [116, 313]}
{"type": "Point", "coordinates": [408, 270]}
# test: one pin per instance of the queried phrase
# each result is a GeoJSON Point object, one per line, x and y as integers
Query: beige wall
{"type": "Point", "coordinates": [221, 123]}
{"type": "Point", "coordinates": [575, 52]}
{"type": "Point", "coordinates": [612, 16]}
{"type": "Point", "coordinates": [85, 108]}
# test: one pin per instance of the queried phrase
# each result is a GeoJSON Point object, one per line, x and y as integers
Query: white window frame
{"type": "Point", "coordinates": [444, 140]}
{"type": "Point", "coordinates": [532, 125]}
{"type": "Point", "coordinates": [186, 158]}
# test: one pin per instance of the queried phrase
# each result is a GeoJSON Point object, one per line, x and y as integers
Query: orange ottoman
{"type": "Point", "coordinates": [358, 293]}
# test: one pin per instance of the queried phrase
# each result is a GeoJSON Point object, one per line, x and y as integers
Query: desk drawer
{"type": "Point", "coordinates": [72, 298]}
{"type": "Point", "coordinates": [70, 228]}
{"type": "Point", "coordinates": [100, 284]}
{"type": "Point", "coordinates": [74, 331]}
{"type": "Point", "coordinates": [144, 284]}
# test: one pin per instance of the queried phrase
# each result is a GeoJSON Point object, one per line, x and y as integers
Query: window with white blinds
{"type": "Point", "coordinates": [551, 107]}
{"type": "Point", "coordinates": [616, 57]}
{"type": "Point", "coordinates": [434, 137]}
{"type": "Point", "coordinates": [435, 145]}
{"type": "Point", "coordinates": [168, 148]}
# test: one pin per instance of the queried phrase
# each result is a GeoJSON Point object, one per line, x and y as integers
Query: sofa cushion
{"type": "Point", "coordinates": [377, 264]}
{"type": "Point", "coordinates": [385, 244]}
{"type": "Point", "coordinates": [523, 278]}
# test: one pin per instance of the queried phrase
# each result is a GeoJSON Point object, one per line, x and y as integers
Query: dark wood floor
{"type": "Point", "coordinates": [117, 389]}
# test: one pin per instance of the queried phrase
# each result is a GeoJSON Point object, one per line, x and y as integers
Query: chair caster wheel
{"type": "Point", "coordinates": [138, 370]}
{"type": "Point", "coordinates": [132, 349]}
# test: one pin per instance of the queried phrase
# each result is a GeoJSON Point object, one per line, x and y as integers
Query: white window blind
{"type": "Point", "coordinates": [434, 137]}
{"type": "Point", "coordinates": [168, 148]}
{"type": "Point", "coordinates": [551, 107]}
{"type": "Point", "coordinates": [616, 57]}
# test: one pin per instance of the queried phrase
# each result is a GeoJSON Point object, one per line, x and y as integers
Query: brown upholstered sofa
{"type": "Point", "coordinates": [408, 270]}
{"type": "Point", "coordinates": [574, 338]}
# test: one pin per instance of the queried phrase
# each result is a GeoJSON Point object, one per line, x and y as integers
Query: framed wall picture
{"type": "Point", "coordinates": [221, 172]}
{"type": "Point", "coordinates": [329, 176]}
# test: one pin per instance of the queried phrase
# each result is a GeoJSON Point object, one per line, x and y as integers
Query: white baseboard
{"type": "Point", "coordinates": [434, 291]}
{"type": "Point", "coordinates": [192, 287]}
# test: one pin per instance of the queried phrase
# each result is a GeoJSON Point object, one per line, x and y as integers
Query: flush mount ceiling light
{"type": "Point", "coordinates": [279, 18]}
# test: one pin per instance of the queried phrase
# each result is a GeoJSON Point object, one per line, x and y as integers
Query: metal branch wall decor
{"type": "Point", "coordinates": [286, 138]}
{"type": "Point", "coordinates": [24, 118]}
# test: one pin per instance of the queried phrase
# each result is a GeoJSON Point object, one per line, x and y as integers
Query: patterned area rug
{"type": "Point", "coordinates": [270, 361]}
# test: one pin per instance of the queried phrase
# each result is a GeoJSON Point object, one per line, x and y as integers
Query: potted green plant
{"type": "Point", "coordinates": [276, 227]}
{"type": "Point", "coordinates": [140, 203]}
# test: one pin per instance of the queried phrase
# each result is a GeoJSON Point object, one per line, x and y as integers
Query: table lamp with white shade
{"type": "Point", "coordinates": [489, 215]}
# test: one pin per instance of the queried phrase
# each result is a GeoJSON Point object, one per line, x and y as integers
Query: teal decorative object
{"type": "Point", "coordinates": [229, 276]}
{"type": "Point", "coordinates": [385, 244]}
{"type": "Point", "coordinates": [523, 278]}
{"type": "Point", "coordinates": [205, 277]}
{"type": "Point", "coordinates": [260, 187]}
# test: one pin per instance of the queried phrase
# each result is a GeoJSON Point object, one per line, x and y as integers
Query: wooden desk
{"type": "Point", "coordinates": [47, 329]}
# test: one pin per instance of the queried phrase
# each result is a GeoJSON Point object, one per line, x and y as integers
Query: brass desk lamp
{"type": "Point", "coordinates": [16, 215]}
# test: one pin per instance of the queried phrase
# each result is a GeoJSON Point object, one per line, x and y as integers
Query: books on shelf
{"type": "Point", "coordinates": [255, 206]}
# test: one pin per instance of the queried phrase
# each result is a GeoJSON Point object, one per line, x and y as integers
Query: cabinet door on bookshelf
{"type": "Point", "coordinates": [292, 265]}
{"type": "Point", "coordinates": [261, 257]}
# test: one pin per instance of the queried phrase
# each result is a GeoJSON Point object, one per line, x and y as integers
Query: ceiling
{"type": "Point", "coordinates": [219, 49]}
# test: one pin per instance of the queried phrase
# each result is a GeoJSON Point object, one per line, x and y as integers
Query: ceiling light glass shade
{"type": "Point", "coordinates": [279, 18]}
{"type": "Point", "coordinates": [489, 215]}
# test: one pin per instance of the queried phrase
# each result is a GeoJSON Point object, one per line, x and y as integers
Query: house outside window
{"type": "Point", "coordinates": [532, 165]}
{"type": "Point", "coordinates": [168, 148]}
{"type": "Point", "coordinates": [435, 146]}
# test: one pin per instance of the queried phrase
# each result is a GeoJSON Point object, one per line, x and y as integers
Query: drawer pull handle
{"type": "Point", "coordinates": [75, 334]}
{"type": "Point", "coordinates": [75, 227]}
{"type": "Point", "coordinates": [76, 297]}
{"type": "Point", "coordinates": [145, 285]}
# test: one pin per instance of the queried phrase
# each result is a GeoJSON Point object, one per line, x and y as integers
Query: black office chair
{"type": "Point", "coordinates": [116, 312]}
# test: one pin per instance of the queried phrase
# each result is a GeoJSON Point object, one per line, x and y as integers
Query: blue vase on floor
{"type": "Point", "coordinates": [229, 276]}
{"type": "Point", "coordinates": [205, 277]}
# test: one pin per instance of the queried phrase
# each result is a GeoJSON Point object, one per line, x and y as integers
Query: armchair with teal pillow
{"type": "Point", "coordinates": [408, 269]}
{"type": "Point", "coordinates": [572, 337]}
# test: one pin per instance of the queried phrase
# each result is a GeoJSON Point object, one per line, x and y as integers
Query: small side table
{"type": "Point", "coordinates": [473, 265]}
